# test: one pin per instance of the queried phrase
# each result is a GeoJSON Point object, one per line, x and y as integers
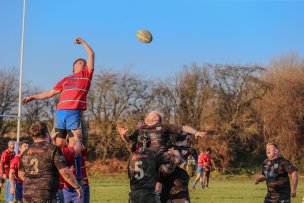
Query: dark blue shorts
{"type": "Point", "coordinates": [70, 195]}
{"type": "Point", "coordinates": [68, 119]}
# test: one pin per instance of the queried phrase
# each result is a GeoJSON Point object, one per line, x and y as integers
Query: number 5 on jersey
{"type": "Point", "coordinates": [138, 170]}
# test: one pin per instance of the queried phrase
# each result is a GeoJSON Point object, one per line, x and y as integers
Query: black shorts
{"type": "Point", "coordinates": [40, 201]}
{"type": "Point", "coordinates": [207, 173]}
{"type": "Point", "coordinates": [140, 196]}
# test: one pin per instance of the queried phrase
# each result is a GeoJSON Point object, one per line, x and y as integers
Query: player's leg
{"type": "Point", "coordinates": [73, 125]}
{"type": "Point", "coordinates": [8, 196]}
{"type": "Point", "coordinates": [60, 128]}
{"type": "Point", "coordinates": [86, 193]}
{"type": "Point", "coordinates": [198, 176]}
{"type": "Point", "coordinates": [19, 190]}
{"type": "Point", "coordinates": [207, 179]}
{"type": "Point", "coordinates": [202, 180]}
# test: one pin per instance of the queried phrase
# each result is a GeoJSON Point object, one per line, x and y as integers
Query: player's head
{"type": "Point", "coordinates": [78, 65]}
{"type": "Point", "coordinates": [143, 141]}
{"type": "Point", "coordinates": [11, 145]}
{"type": "Point", "coordinates": [39, 130]}
{"type": "Point", "coordinates": [23, 145]}
{"type": "Point", "coordinates": [153, 118]}
{"type": "Point", "coordinates": [272, 150]}
{"type": "Point", "coordinates": [201, 150]}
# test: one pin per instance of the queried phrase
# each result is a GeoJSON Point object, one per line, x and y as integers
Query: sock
{"type": "Point", "coordinates": [77, 164]}
{"type": "Point", "coordinates": [194, 183]}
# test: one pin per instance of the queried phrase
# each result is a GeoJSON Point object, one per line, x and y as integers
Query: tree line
{"type": "Point", "coordinates": [244, 106]}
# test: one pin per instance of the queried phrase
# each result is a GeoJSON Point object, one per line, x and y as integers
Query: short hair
{"type": "Point", "coordinates": [209, 150]}
{"type": "Point", "coordinates": [80, 59]}
{"type": "Point", "coordinates": [158, 114]}
{"type": "Point", "coordinates": [39, 129]}
{"type": "Point", "coordinates": [11, 141]}
{"type": "Point", "coordinates": [24, 142]}
{"type": "Point", "coordinates": [202, 149]}
{"type": "Point", "coordinates": [273, 144]}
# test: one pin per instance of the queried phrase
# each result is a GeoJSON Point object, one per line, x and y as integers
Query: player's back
{"type": "Point", "coordinates": [143, 169]}
{"type": "Point", "coordinates": [40, 171]}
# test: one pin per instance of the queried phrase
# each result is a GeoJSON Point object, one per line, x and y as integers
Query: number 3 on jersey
{"type": "Point", "coordinates": [138, 170]}
{"type": "Point", "coordinates": [34, 166]}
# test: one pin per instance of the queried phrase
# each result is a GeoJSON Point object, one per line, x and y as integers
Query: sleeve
{"type": "Point", "coordinates": [58, 86]}
{"type": "Point", "coordinates": [133, 136]}
{"type": "Point", "coordinates": [59, 159]}
{"type": "Point", "coordinates": [14, 164]}
{"type": "Point", "coordinates": [4, 157]}
{"type": "Point", "coordinates": [21, 165]}
{"type": "Point", "coordinates": [288, 167]}
{"type": "Point", "coordinates": [68, 153]}
{"type": "Point", "coordinates": [87, 73]}
{"type": "Point", "coordinates": [133, 140]}
{"type": "Point", "coordinates": [173, 129]}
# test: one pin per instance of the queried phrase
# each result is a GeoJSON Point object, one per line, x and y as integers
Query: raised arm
{"type": "Point", "coordinates": [194, 132]}
{"type": "Point", "coordinates": [90, 52]}
{"type": "Point", "coordinates": [40, 96]}
{"type": "Point", "coordinates": [123, 132]}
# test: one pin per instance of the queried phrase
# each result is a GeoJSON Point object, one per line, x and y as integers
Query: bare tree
{"type": "Point", "coordinates": [282, 108]}
{"type": "Point", "coordinates": [237, 88]}
{"type": "Point", "coordinates": [8, 98]}
{"type": "Point", "coordinates": [114, 96]}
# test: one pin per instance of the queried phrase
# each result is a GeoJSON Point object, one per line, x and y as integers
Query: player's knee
{"type": "Point", "coordinates": [72, 133]}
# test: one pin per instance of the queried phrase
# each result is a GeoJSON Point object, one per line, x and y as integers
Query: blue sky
{"type": "Point", "coordinates": [184, 31]}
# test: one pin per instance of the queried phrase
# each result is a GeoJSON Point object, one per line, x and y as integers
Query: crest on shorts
{"type": "Point", "coordinates": [158, 128]}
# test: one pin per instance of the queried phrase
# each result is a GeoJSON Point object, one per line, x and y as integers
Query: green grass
{"type": "Point", "coordinates": [222, 189]}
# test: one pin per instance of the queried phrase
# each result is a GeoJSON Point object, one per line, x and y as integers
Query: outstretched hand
{"type": "Point", "coordinates": [121, 129]}
{"type": "Point", "coordinates": [200, 134]}
{"type": "Point", "coordinates": [27, 100]}
{"type": "Point", "coordinates": [79, 40]}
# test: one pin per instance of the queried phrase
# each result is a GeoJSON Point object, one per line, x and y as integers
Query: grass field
{"type": "Point", "coordinates": [223, 189]}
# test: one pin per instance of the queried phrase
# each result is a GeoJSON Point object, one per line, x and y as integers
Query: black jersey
{"type": "Point", "coordinates": [143, 168]}
{"type": "Point", "coordinates": [174, 185]}
{"type": "Point", "coordinates": [185, 151]}
{"type": "Point", "coordinates": [41, 162]}
{"type": "Point", "coordinates": [277, 180]}
{"type": "Point", "coordinates": [159, 134]}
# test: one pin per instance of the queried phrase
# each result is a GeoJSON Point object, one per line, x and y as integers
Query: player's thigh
{"type": "Point", "coordinates": [73, 120]}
